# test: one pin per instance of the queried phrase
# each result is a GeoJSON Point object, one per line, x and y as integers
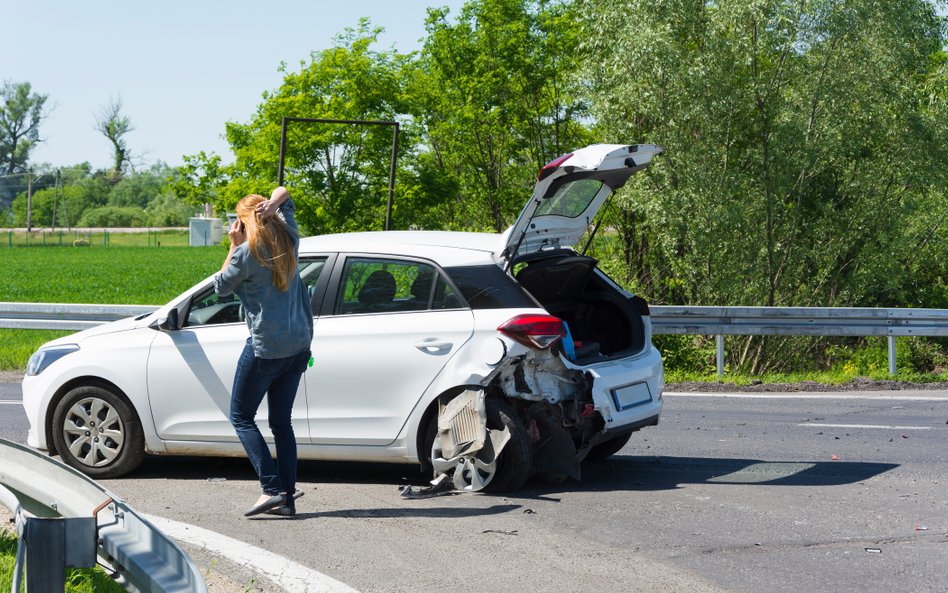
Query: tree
{"type": "Point", "coordinates": [802, 141]}
{"type": "Point", "coordinates": [493, 95]}
{"type": "Point", "coordinates": [140, 188]}
{"type": "Point", "coordinates": [115, 126]}
{"type": "Point", "coordinates": [21, 113]}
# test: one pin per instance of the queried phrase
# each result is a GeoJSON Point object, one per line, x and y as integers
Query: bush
{"type": "Point", "coordinates": [113, 216]}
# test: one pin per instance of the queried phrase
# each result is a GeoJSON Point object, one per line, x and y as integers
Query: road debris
{"type": "Point", "coordinates": [501, 531]}
{"type": "Point", "coordinates": [440, 486]}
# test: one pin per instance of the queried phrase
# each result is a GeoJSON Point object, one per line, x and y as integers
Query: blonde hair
{"type": "Point", "coordinates": [270, 241]}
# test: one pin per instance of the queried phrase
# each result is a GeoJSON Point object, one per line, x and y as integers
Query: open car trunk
{"type": "Point", "coordinates": [603, 321]}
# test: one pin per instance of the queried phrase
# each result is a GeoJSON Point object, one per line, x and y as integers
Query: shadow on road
{"type": "Point", "coordinates": [618, 473]}
{"type": "Point", "coordinates": [636, 473]}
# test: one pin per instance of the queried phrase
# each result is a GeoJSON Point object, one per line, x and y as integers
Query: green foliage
{"type": "Point", "coordinates": [168, 210]}
{"type": "Point", "coordinates": [337, 173]}
{"type": "Point", "coordinates": [79, 196]}
{"type": "Point", "coordinates": [112, 216]}
{"type": "Point", "coordinates": [21, 113]}
{"type": "Point", "coordinates": [61, 196]}
{"type": "Point", "coordinates": [494, 93]}
{"type": "Point", "coordinates": [138, 190]}
{"type": "Point", "coordinates": [806, 159]}
{"type": "Point", "coordinates": [682, 353]}
{"type": "Point", "coordinates": [490, 99]}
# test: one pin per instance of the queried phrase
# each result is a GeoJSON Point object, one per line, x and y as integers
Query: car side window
{"type": "Point", "coordinates": [374, 285]}
{"type": "Point", "coordinates": [209, 309]}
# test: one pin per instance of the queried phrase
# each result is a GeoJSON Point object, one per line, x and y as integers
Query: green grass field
{"type": "Point", "coordinates": [97, 275]}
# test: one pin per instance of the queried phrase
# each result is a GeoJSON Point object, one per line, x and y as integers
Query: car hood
{"type": "Point", "coordinates": [569, 193]}
{"type": "Point", "coordinates": [121, 325]}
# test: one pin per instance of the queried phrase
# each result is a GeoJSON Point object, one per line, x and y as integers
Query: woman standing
{"type": "Point", "coordinates": [262, 269]}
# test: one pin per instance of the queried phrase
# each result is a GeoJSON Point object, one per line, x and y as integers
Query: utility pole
{"type": "Point", "coordinates": [29, 200]}
{"type": "Point", "coordinates": [55, 201]}
{"type": "Point", "coordinates": [62, 194]}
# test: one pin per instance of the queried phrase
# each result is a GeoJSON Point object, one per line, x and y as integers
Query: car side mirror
{"type": "Point", "coordinates": [166, 324]}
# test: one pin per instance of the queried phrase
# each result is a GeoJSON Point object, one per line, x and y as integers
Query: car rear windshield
{"type": "Point", "coordinates": [488, 287]}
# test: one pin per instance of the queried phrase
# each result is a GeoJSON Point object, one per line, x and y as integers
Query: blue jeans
{"type": "Point", "coordinates": [278, 379]}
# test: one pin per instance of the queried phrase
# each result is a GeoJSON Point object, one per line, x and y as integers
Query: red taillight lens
{"type": "Point", "coordinates": [552, 166]}
{"type": "Point", "coordinates": [534, 331]}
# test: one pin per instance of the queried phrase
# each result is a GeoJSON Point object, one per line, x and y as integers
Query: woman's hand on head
{"type": "Point", "coordinates": [237, 233]}
{"type": "Point", "coordinates": [268, 209]}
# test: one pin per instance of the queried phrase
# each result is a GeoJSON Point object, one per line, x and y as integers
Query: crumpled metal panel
{"type": "Point", "coordinates": [462, 424]}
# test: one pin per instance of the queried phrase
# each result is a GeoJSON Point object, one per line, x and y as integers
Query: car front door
{"type": "Point", "coordinates": [190, 370]}
{"type": "Point", "coordinates": [392, 326]}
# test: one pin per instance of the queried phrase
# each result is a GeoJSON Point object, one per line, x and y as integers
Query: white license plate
{"type": "Point", "coordinates": [630, 396]}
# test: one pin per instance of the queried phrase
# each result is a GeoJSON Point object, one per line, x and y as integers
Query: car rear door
{"type": "Point", "coordinates": [389, 326]}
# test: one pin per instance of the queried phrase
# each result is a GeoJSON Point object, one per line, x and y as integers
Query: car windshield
{"type": "Point", "coordinates": [570, 199]}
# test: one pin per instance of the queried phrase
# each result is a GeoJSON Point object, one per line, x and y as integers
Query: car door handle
{"type": "Point", "coordinates": [434, 345]}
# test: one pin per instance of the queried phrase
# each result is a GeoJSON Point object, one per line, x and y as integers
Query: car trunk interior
{"type": "Point", "coordinates": [603, 322]}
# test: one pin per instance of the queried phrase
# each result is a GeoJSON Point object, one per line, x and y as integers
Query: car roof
{"type": "Point", "coordinates": [448, 248]}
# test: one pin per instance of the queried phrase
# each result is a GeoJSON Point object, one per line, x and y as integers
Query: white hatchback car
{"type": "Point", "coordinates": [485, 357]}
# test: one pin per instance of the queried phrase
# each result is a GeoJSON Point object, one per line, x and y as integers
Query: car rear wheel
{"type": "Point", "coordinates": [482, 471]}
{"type": "Point", "coordinates": [97, 432]}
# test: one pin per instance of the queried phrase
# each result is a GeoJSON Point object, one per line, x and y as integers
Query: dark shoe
{"type": "Point", "coordinates": [288, 508]}
{"type": "Point", "coordinates": [268, 504]}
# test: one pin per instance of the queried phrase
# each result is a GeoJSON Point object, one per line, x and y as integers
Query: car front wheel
{"type": "Point", "coordinates": [97, 432]}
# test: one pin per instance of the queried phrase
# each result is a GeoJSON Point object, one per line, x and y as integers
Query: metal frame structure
{"type": "Point", "coordinates": [361, 122]}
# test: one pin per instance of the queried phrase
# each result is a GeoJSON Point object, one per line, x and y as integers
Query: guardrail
{"type": "Point", "coordinates": [65, 316]}
{"type": "Point", "coordinates": [711, 321]}
{"type": "Point", "coordinates": [799, 321]}
{"type": "Point", "coordinates": [87, 520]}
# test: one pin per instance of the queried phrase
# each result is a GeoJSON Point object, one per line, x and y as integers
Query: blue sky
{"type": "Point", "coordinates": [181, 69]}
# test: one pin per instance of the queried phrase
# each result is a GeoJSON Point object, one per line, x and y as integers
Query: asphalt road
{"type": "Point", "coordinates": [817, 493]}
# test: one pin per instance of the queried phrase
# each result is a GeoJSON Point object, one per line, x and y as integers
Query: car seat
{"type": "Point", "coordinates": [377, 293]}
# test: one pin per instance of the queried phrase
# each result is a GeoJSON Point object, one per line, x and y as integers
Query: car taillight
{"type": "Point", "coordinates": [534, 331]}
{"type": "Point", "coordinates": [552, 166]}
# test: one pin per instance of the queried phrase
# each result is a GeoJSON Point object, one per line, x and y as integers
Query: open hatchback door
{"type": "Point", "coordinates": [569, 193]}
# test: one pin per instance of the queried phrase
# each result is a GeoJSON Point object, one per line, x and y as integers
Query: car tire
{"type": "Point", "coordinates": [608, 449]}
{"type": "Point", "coordinates": [515, 463]}
{"type": "Point", "coordinates": [97, 432]}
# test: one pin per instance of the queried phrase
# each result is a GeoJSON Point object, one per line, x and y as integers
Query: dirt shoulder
{"type": "Point", "coordinates": [11, 376]}
{"type": "Point", "coordinates": [858, 384]}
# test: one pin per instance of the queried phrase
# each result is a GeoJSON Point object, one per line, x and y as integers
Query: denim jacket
{"type": "Point", "coordinates": [280, 322]}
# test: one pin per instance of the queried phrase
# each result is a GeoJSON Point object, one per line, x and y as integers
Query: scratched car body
{"type": "Point", "coordinates": [485, 357]}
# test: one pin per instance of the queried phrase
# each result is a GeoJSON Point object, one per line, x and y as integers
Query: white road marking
{"type": "Point", "coordinates": [937, 396]}
{"type": "Point", "coordinates": [881, 426]}
{"type": "Point", "coordinates": [291, 576]}
{"type": "Point", "coordinates": [6, 401]}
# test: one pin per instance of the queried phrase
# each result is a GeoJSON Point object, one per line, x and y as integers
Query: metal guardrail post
{"type": "Point", "coordinates": [719, 359]}
{"type": "Point", "coordinates": [49, 546]}
{"type": "Point", "coordinates": [892, 368]}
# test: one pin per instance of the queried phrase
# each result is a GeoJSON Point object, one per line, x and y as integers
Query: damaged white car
{"type": "Point", "coordinates": [487, 358]}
